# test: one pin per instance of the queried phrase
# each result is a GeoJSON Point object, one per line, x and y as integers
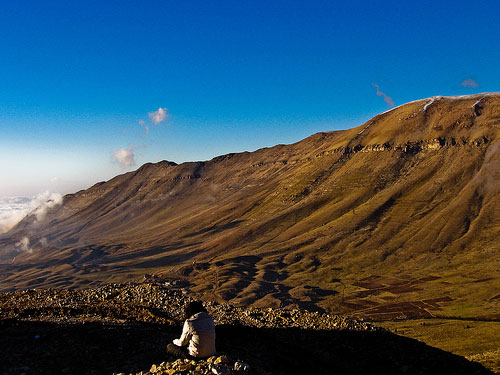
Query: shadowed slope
{"type": "Point", "coordinates": [94, 348]}
{"type": "Point", "coordinates": [126, 328]}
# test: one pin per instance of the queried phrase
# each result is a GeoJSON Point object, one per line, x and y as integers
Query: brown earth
{"type": "Point", "coordinates": [396, 218]}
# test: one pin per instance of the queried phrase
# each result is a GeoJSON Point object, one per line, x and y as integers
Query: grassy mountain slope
{"type": "Point", "coordinates": [398, 217]}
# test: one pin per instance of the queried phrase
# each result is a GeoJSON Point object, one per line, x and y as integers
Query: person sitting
{"type": "Point", "coordinates": [198, 334]}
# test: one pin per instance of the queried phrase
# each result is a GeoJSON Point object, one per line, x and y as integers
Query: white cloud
{"type": "Point", "coordinates": [125, 156]}
{"type": "Point", "coordinates": [387, 98]}
{"type": "Point", "coordinates": [158, 115]}
{"type": "Point", "coordinates": [24, 245]}
{"type": "Point", "coordinates": [43, 202]}
{"type": "Point", "coordinates": [469, 83]}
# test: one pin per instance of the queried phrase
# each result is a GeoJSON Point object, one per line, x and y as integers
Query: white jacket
{"type": "Point", "coordinates": [199, 331]}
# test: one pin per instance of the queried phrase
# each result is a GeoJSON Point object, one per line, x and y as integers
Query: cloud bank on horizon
{"type": "Point", "coordinates": [14, 209]}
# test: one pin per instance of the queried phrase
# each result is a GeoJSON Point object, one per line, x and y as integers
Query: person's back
{"type": "Point", "coordinates": [198, 334]}
{"type": "Point", "coordinates": [202, 342]}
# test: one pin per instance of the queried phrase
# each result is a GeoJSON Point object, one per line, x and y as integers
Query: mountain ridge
{"type": "Point", "coordinates": [375, 221]}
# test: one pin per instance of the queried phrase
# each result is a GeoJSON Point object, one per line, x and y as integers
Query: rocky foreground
{"type": "Point", "coordinates": [124, 329]}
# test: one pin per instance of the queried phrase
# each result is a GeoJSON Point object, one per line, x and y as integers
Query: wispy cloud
{"type": "Point", "coordinates": [125, 156]}
{"type": "Point", "coordinates": [469, 83]}
{"type": "Point", "coordinates": [146, 127]}
{"type": "Point", "coordinates": [158, 116]}
{"type": "Point", "coordinates": [387, 98]}
{"type": "Point", "coordinates": [43, 202]}
{"type": "Point", "coordinates": [24, 245]}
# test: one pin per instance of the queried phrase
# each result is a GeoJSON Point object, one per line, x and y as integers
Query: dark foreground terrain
{"type": "Point", "coordinates": [124, 328]}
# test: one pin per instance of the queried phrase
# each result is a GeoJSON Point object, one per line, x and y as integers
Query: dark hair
{"type": "Point", "coordinates": [193, 308]}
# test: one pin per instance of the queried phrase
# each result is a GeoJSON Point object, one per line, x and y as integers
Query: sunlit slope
{"type": "Point", "coordinates": [397, 217]}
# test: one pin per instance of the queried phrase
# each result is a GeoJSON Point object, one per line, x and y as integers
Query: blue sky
{"type": "Point", "coordinates": [79, 79]}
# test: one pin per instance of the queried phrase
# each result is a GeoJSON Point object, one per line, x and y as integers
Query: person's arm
{"type": "Point", "coordinates": [186, 335]}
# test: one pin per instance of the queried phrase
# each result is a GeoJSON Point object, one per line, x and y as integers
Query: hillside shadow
{"type": "Point", "coordinates": [95, 348]}
{"type": "Point", "coordinates": [81, 349]}
{"type": "Point", "coordinates": [305, 351]}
